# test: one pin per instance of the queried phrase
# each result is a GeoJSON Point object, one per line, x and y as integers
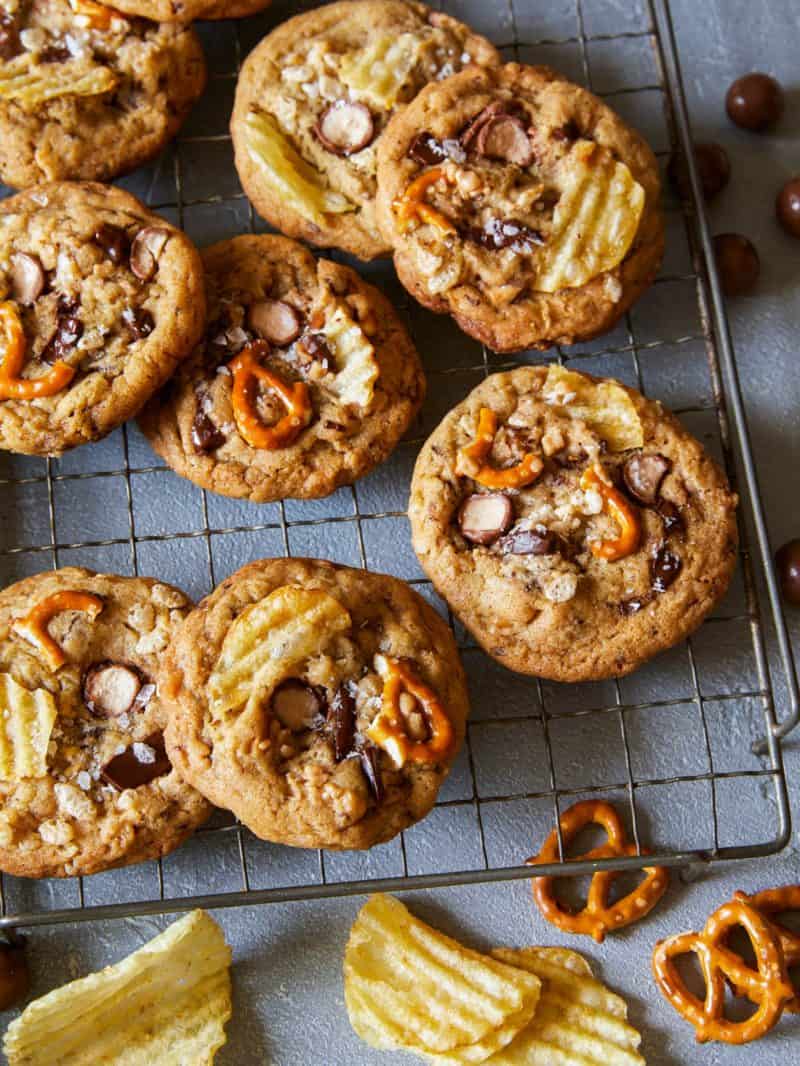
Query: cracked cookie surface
{"type": "Point", "coordinates": [582, 533]}
{"type": "Point", "coordinates": [310, 323]}
{"type": "Point", "coordinates": [188, 10]}
{"type": "Point", "coordinates": [322, 705]}
{"type": "Point", "coordinates": [85, 783]}
{"type": "Point", "coordinates": [88, 94]}
{"type": "Point", "coordinates": [312, 104]}
{"type": "Point", "coordinates": [520, 204]}
{"type": "Point", "coordinates": [102, 289]}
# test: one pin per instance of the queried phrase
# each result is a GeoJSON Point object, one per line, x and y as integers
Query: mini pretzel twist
{"type": "Point", "coordinates": [411, 206]}
{"type": "Point", "coordinates": [389, 730]}
{"type": "Point", "coordinates": [623, 513]}
{"type": "Point", "coordinates": [598, 917]}
{"type": "Point", "coordinates": [247, 372]}
{"type": "Point", "coordinates": [33, 627]}
{"type": "Point", "coordinates": [12, 359]}
{"type": "Point", "coordinates": [769, 902]}
{"type": "Point", "coordinates": [523, 473]}
{"type": "Point", "coordinates": [769, 986]}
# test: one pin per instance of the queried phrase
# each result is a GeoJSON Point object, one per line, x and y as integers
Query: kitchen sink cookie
{"type": "Point", "coordinates": [86, 93]}
{"type": "Point", "coordinates": [322, 705]}
{"type": "Point", "coordinates": [306, 378]}
{"type": "Point", "coordinates": [572, 524]}
{"type": "Point", "coordinates": [100, 299]}
{"type": "Point", "coordinates": [85, 781]}
{"type": "Point", "coordinates": [520, 204]}
{"type": "Point", "coordinates": [188, 10]}
{"type": "Point", "coordinates": [314, 99]}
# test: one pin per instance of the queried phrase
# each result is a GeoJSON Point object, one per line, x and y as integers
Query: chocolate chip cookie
{"type": "Point", "coordinates": [574, 526]}
{"type": "Point", "coordinates": [100, 299]}
{"type": "Point", "coordinates": [313, 101]}
{"type": "Point", "coordinates": [85, 781]}
{"type": "Point", "coordinates": [322, 705]}
{"type": "Point", "coordinates": [520, 204]}
{"type": "Point", "coordinates": [306, 378]}
{"type": "Point", "coordinates": [88, 93]}
{"type": "Point", "coordinates": [188, 10]}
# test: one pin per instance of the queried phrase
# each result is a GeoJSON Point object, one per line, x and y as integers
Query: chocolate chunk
{"type": "Point", "coordinates": [55, 54]}
{"type": "Point", "coordinates": [643, 474]}
{"type": "Point", "coordinates": [787, 563]}
{"type": "Point", "coordinates": [10, 45]}
{"type": "Point", "coordinates": [426, 150]}
{"type": "Point", "coordinates": [536, 541]}
{"type": "Point", "coordinates": [206, 436]}
{"type": "Point", "coordinates": [664, 568]}
{"type": "Point", "coordinates": [111, 689]}
{"type": "Point", "coordinates": [568, 132]}
{"type": "Point", "coordinates": [139, 321]}
{"type": "Point", "coordinates": [787, 207]}
{"type": "Point", "coordinates": [370, 767]}
{"type": "Point", "coordinates": [68, 331]}
{"type": "Point", "coordinates": [315, 348]}
{"type": "Point", "coordinates": [504, 137]}
{"type": "Point", "coordinates": [275, 321]}
{"type": "Point", "coordinates": [738, 263]}
{"type": "Point", "coordinates": [138, 765]}
{"type": "Point", "coordinates": [297, 705]}
{"type": "Point", "coordinates": [27, 278]}
{"type": "Point", "coordinates": [345, 127]}
{"type": "Point", "coordinates": [755, 102]}
{"type": "Point", "coordinates": [15, 980]}
{"type": "Point", "coordinates": [634, 604]}
{"type": "Point", "coordinates": [713, 169]}
{"type": "Point", "coordinates": [483, 517]}
{"type": "Point", "coordinates": [500, 233]}
{"type": "Point", "coordinates": [342, 721]}
{"type": "Point", "coordinates": [113, 240]}
{"type": "Point", "coordinates": [148, 244]}
{"type": "Point", "coordinates": [670, 516]}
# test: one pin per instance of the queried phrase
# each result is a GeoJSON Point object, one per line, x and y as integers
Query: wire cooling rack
{"type": "Point", "coordinates": [689, 745]}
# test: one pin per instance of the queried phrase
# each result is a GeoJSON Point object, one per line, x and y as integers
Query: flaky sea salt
{"type": "Point", "coordinates": [144, 753]}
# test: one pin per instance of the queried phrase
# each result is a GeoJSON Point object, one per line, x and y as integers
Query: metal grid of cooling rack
{"type": "Point", "coordinates": [678, 743]}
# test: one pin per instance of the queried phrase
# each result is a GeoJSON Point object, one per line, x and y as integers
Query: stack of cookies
{"type": "Point", "coordinates": [572, 525]}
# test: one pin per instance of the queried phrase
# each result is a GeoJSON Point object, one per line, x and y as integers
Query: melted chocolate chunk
{"type": "Point", "coordinates": [206, 436]}
{"type": "Point", "coordinates": [426, 150]}
{"type": "Point", "coordinates": [316, 350]}
{"type": "Point", "coordinates": [55, 54]}
{"type": "Point", "coordinates": [138, 765]}
{"type": "Point", "coordinates": [664, 568]}
{"type": "Point", "coordinates": [370, 767]}
{"type": "Point", "coordinates": [536, 541]}
{"type": "Point", "coordinates": [139, 321]}
{"type": "Point", "coordinates": [68, 331]}
{"type": "Point", "coordinates": [634, 604]}
{"type": "Point", "coordinates": [500, 233]}
{"type": "Point", "coordinates": [670, 516]}
{"type": "Point", "coordinates": [10, 45]}
{"type": "Point", "coordinates": [342, 721]}
{"type": "Point", "coordinates": [114, 241]}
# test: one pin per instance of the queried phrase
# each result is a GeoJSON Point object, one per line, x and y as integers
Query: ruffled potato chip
{"type": "Point", "coordinates": [578, 1021]}
{"type": "Point", "coordinates": [595, 220]}
{"type": "Point", "coordinates": [297, 181]}
{"type": "Point", "coordinates": [357, 367]}
{"type": "Point", "coordinates": [377, 73]}
{"type": "Point", "coordinates": [268, 640]}
{"type": "Point", "coordinates": [408, 986]}
{"type": "Point", "coordinates": [28, 83]}
{"type": "Point", "coordinates": [26, 722]}
{"type": "Point", "coordinates": [603, 405]}
{"type": "Point", "coordinates": [167, 1003]}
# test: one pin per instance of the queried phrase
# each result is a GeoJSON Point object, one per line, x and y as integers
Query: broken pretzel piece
{"type": "Point", "coordinates": [33, 627]}
{"type": "Point", "coordinates": [247, 373]}
{"type": "Point", "coordinates": [12, 358]}
{"type": "Point", "coordinates": [623, 513]}
{"type": "Point", "coordinates": [390, 729]}
{"type": "Point", "coordinates": [412, 207]}
{"type": "Point", "coordinates": [523, 473]}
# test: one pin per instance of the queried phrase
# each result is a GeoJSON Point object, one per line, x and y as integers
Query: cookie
{"type": "Point", "coordinates": [85, 782]}
{"type": "Point", "coordinates": [322, 705]}
{"type": "Point", "coordinates": [313, 101]}
{"type": "Point", "coordinates": [520, 204]}
{"type": "Point", "coordinates": [188, 10]}
{"type": "Point", "coordinates": [86, 93]}
{"type": "Point", "coordinates": [100, 299]}
{"type": "Point", "coordinates": [573, 525]}
{"type": "Point", "coordinates": [305, 381]}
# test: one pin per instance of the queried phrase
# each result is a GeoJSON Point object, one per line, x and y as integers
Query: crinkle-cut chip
{"type": "Point", "coordinates": [167, 1003]}
{"type": "Point", "coordinates": [578, 1021]}
{"type": "Point", "coordinates": [408, 986]}
{"type": "Point", "coordinates": [595, 220]}
{"type": "Point", "coordinates": [298, 183]}
{"type": "Point", "coordinates": [30, 84]}
{"type": "Point", "coordinates": [377, 73]}
{"type": "Point", "coordinates": [357, 367]}
{"type": "Point", "coordinates": [603, 405]}
{"type": "Point", "coordinates": [26, 722]}
{"type": "Point", "coordinates": [269, 639]}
